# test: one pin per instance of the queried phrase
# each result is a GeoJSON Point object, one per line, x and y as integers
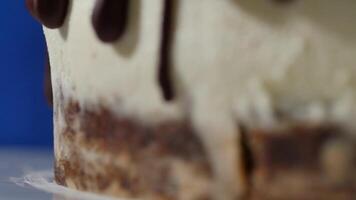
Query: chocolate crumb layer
{"type": "Point", "coordinates": [105, 153]}
{"type": "Point", "coordinates": [303, 162]}
{"type": "Point", "coordinates": [118, 156]}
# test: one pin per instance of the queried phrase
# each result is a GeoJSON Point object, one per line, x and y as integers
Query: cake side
{"type": "Point", "coordinates": [262, 72]}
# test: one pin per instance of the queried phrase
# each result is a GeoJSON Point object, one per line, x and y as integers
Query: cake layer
{"type": "Point", "coordinates": [101, 152]}
{"type": "Point", "coordinates": [303, 161]}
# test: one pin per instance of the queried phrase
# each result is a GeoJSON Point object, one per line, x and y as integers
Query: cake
{"type": "Point", "coordinates": [203, 99]}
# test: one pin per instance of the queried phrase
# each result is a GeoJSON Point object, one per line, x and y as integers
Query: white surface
{"type": "Point", "coordinates": [43, 180]}
{"type": "Point", "coordinates": [27, 174]}
{"type": "Point", "coordinates": [13, 164]}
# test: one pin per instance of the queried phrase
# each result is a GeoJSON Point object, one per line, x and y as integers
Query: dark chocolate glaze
{"type": "Point", "coordinates": [110, 19]}
{"type": "Point", "coordinates": [48, 82]}
{"type": "Point", "coordinates": [51, 13]}
{"type": "Point", "coordinates": [164, 76]}
{"type": "Point", "coordinates": [283, 1]}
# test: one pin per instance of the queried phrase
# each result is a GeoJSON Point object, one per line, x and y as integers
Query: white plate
{"type": "Point", "coordinates": [26, 174]}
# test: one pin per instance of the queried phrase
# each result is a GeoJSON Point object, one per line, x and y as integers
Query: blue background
{"type": "Point", "coordinates": [25, 118]}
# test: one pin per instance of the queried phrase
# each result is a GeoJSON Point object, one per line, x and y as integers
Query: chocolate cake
{"type": "Point", "coordinates": [203, 99]}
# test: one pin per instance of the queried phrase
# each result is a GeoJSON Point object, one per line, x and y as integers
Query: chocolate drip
{"type": "Point", "coordinates": [51, 13]}
{"type": "Point", "coordinates": [283, 1]}
{"type": "Point", "coordinates": [164, 76]}
{"type": "Point", "coordinates": [110, 19]}
{"type": "Point", "coordinates": [48, 82]}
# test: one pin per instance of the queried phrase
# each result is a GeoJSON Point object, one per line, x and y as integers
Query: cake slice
{"type": "Point", "coordinates": [203, 99]}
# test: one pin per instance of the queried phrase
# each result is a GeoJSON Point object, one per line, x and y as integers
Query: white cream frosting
{"type": "Point", "coordinates": [233, 61]}
{"type": "Point", "coordinates": [110, 75]}
{"type": "Point", "coordinates": [297, 58]}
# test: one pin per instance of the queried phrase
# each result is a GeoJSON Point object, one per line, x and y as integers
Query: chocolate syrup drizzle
{"type": "Point", "coordinates": [283, 1]}
{"type": "Point", "coordinates": [109, 20]}
{"type": "Point", "coordinates": [48, 82]}
{"type": "Point", "coordinates": [51, 13]}
{"type": "Point", "coordinates": [164, 76]}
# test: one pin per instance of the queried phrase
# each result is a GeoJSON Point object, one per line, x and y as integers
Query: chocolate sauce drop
{"type": "Point", "coordinates": [164, 76]}
{"type": "Point", "coordinates": [110, 19]}
{"type": "Point", "coordinates": [51, 13]}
